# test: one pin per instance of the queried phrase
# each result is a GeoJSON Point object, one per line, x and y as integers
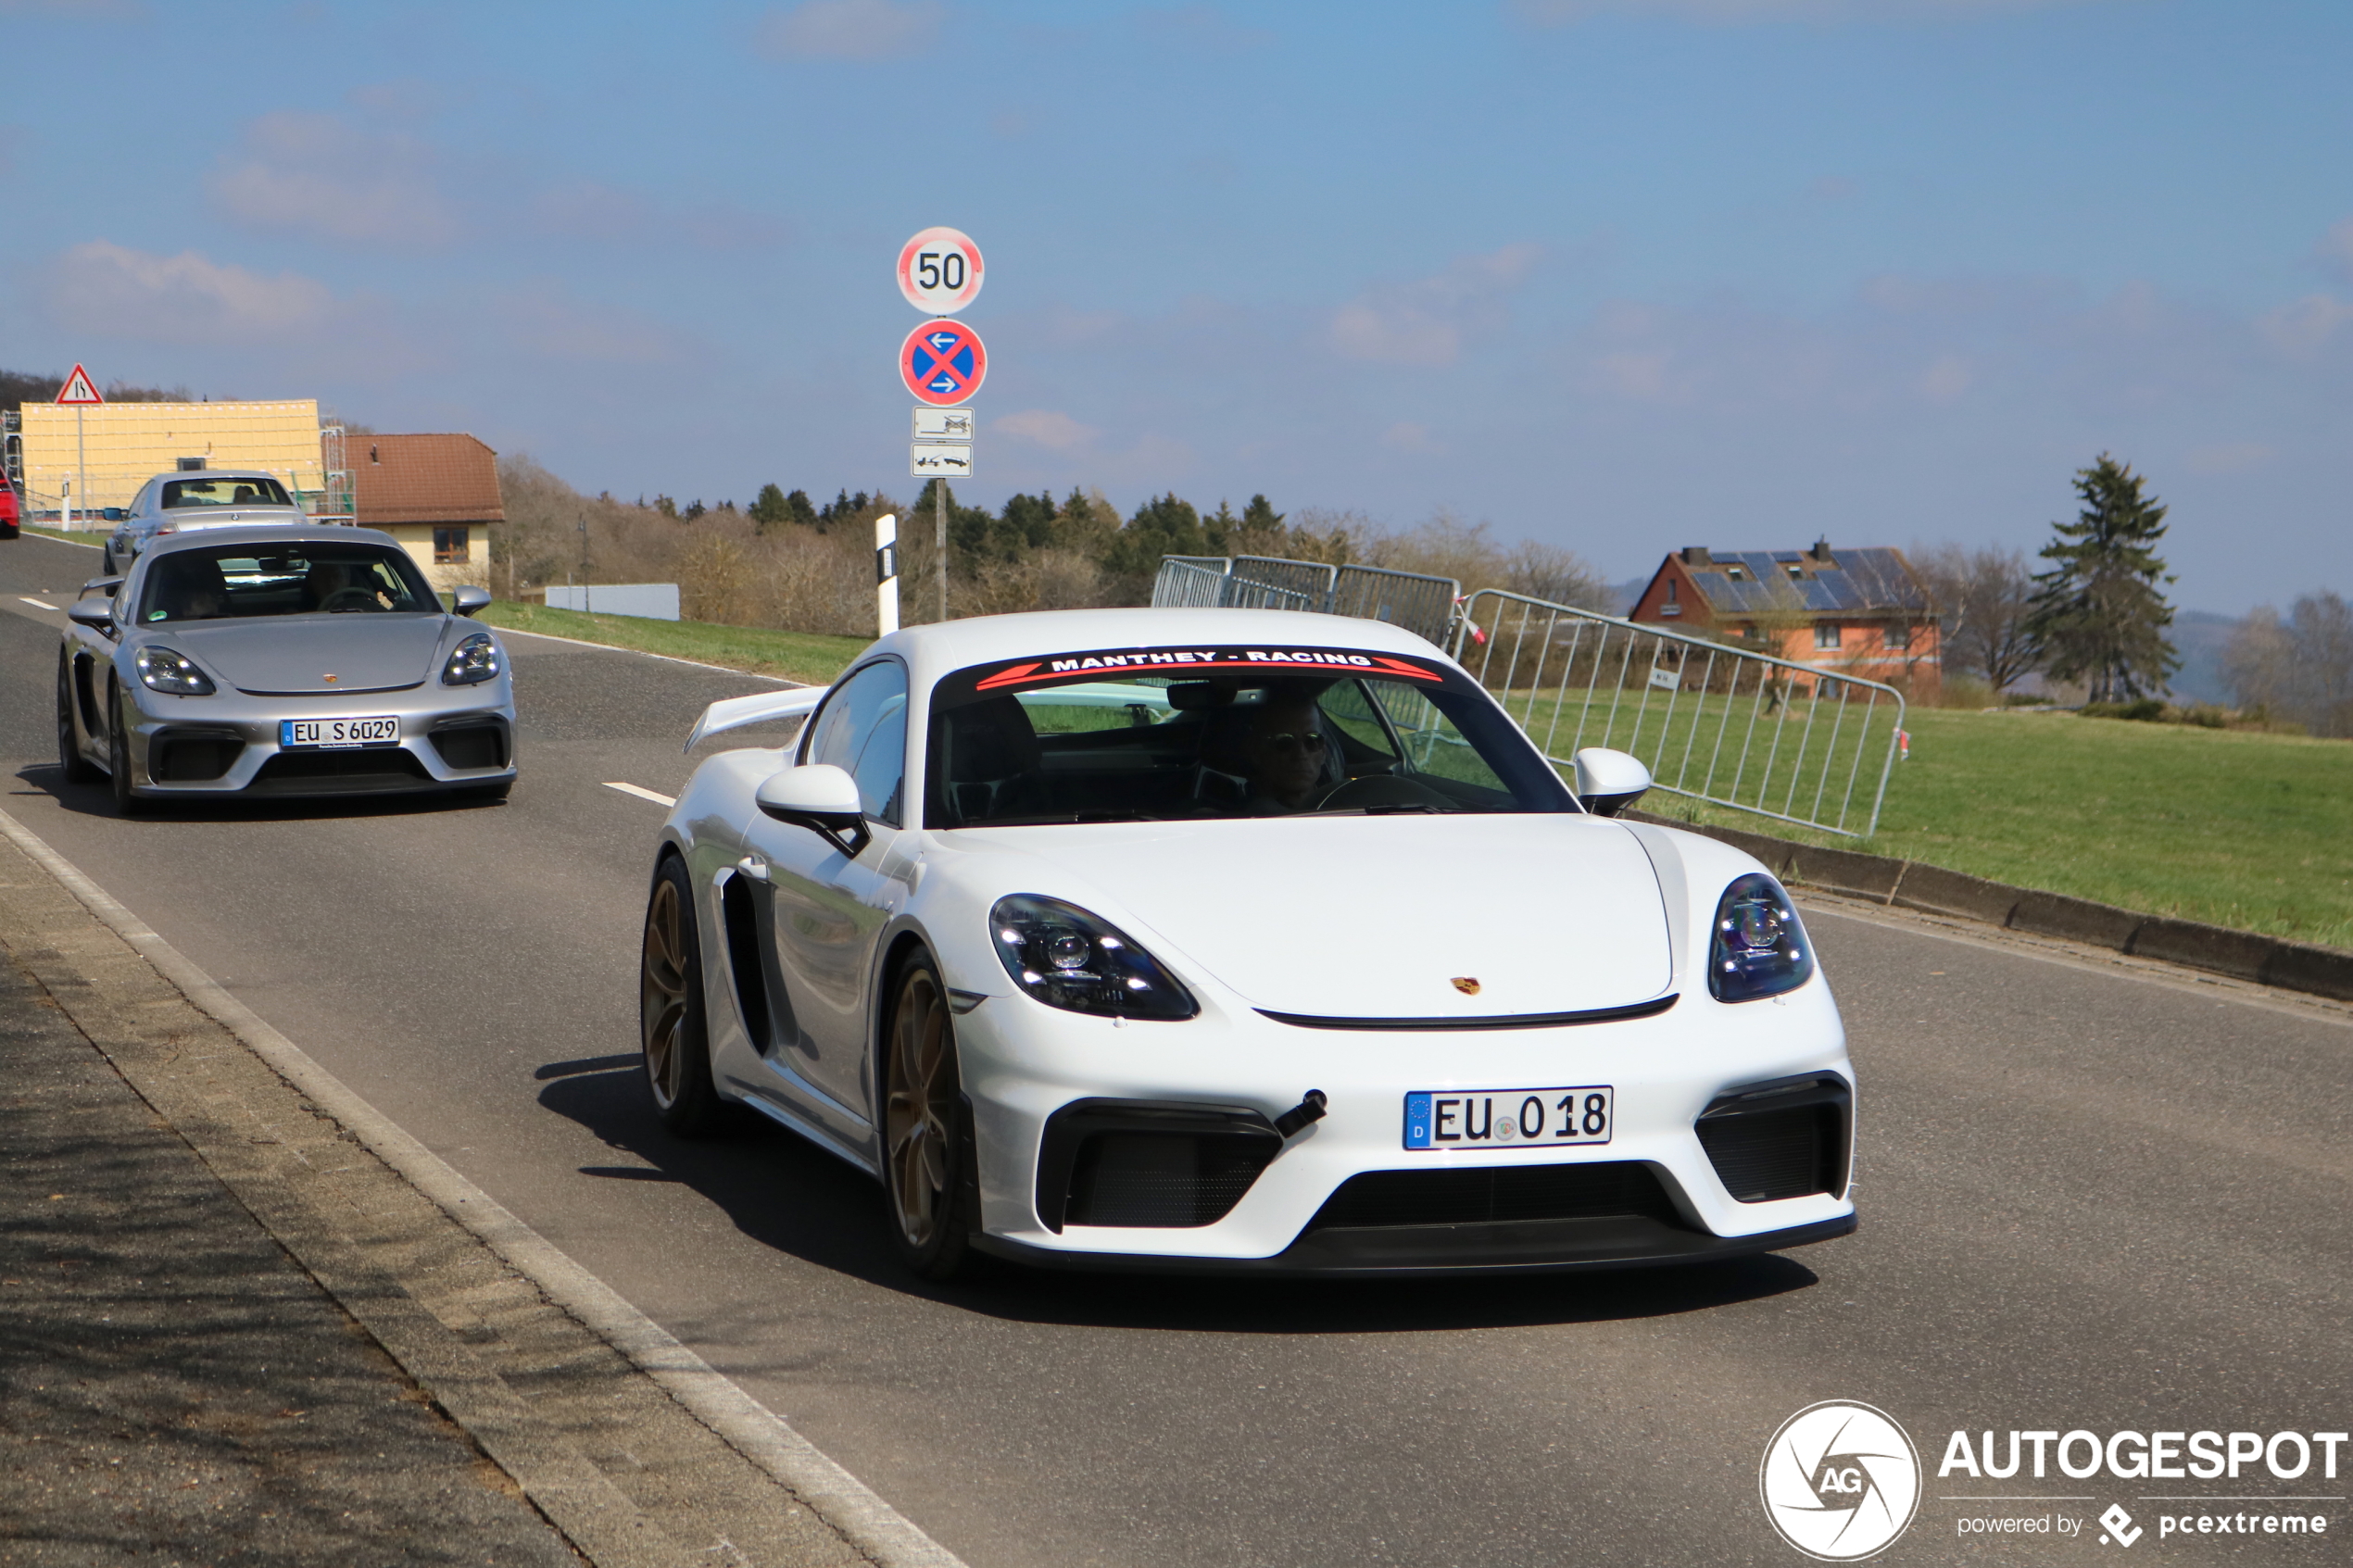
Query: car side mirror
{"type": "Point", "coordinates": [470, 600]}
{"type": "Point", "coordinates": [1608, 782]}
{"type": "Point", "coordinates": [821, 798]}
{"type": "Point", "coordinates": [96, 614]}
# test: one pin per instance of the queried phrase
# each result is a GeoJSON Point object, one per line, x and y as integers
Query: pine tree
{"type": "Point", "coordinates": [768, 508]}
{"type": "Point", "coordinates": [2098, 615]}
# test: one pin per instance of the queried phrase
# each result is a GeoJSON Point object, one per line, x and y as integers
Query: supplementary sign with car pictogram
{"type": "Point", "coordinates": [943, 459]}
{"type": "Point", "coordinates": [79, 388]}
{"type": "Point", "coordinates": [943, 362]}
{"type": "Point", "coordinates": [939, 270]}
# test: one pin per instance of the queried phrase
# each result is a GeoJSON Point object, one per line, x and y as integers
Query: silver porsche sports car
{"type": "Point", "coordinates": [275, 660]}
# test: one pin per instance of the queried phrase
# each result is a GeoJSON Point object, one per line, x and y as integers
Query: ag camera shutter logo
{"type": "Point", "coordinates": [1840, 1481]}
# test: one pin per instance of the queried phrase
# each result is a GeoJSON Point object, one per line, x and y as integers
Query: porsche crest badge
{"type": "Point", "coordinates": [1467, 984]}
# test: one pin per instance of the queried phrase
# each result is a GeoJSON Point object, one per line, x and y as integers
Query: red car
{"type": "Point", "coordinates": [11, 512]}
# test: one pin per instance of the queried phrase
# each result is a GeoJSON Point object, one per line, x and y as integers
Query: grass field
{"type": "Point", "coordinates": [2237, 828]}
{"type": "Point", "coordinates": [92, 540]}
{"type": "Point", "coordinates": [797, 656]}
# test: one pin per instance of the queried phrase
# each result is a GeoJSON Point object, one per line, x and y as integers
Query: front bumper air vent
{"type": "Point", "coordinates": [1785, 1138]}
{"type": "Point", "coordinates": [1152, 1166]}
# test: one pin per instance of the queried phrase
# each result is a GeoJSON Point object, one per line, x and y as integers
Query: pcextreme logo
{"type": "Point", "coordinates": [1840, 1481]}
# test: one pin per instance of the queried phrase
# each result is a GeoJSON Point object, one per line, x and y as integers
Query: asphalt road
{"type": "Point", "coordinates": [2093, 1199]}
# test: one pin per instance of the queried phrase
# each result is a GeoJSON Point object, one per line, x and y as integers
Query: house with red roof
{"type": "Point", "coordinates": [1860, 612]}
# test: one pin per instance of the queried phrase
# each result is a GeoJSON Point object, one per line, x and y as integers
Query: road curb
{"type": "Point", "coordinates": [1912, 885]}
{"type": "Point", "coordinates": [869, 1524]}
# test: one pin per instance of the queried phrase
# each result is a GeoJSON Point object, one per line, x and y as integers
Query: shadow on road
{"type": "Point", "coordinates": [785, 1193]}
{"type": "Point", "coordinates": [95, 800]}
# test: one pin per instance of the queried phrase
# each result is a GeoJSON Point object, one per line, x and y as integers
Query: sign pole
{"type": "Point", "coordinates": [81, 461]}
{"type": "Point", "coordinates": [939, 539]}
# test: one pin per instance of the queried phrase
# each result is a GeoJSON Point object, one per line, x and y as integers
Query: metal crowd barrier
{"type": "Point", "coordinates": [1798, 743]}
{"type": "Point", "coordinates": [1421, 604]}
{"type": "Point", "coordinates": [1216, 582]}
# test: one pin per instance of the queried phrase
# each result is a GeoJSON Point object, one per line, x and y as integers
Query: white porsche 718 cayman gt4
{"type": "Point", "coordinates": [1236, 940]}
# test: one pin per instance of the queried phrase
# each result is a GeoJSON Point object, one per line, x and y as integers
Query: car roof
{"type": "Point", "coordinates": [937, 650]}
{"type": "Point", "coordinates": [269, 534]}
{"type": "Point", "coordinates": [221, 474]}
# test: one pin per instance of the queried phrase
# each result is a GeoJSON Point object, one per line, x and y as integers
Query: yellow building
{"type": "Point", "coordinates": [121, 445]}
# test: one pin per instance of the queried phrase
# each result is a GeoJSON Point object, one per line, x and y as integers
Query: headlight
{"type": "Point", "coordinates": [472, 660]}
{"type": "Point", "coordinates": [1066, 957]}
{"type": "Point", "coordinates": [1759, 949]}
{"type": "Point", "coordinates": [164, 671]}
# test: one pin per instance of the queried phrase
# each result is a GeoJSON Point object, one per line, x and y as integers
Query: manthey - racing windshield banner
{"type": "Point", "coordinates": [1244, 665]}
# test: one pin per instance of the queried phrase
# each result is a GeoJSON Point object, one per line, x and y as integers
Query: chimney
{"type": "Point", "coordinates": [1822, 554]}
{"type": "Point", "coordinates": [1696, 554]}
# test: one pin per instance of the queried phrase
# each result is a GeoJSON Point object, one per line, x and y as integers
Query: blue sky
{"type": "Point", "coordinates": [1618, 274]}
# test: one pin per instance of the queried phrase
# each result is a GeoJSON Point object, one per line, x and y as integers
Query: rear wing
{"type": "Point", "coordinates": [736, 711]}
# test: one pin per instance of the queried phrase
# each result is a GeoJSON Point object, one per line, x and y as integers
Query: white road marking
{"type": "Point", "coordinates": [656, 798]}
{"type": "Point", "coordinates": [34, 603]}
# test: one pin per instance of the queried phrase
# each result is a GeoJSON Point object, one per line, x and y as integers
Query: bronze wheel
{"type": "Point", "coordinates": [925, 1152]}
{"type": "Point", "coordinates": [669, 1012]}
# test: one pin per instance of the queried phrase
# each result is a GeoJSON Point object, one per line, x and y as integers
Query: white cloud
{"type": "Point", "coordinates": [1202, 28]}
{"type": "Point", "coordinates": [1566, 13]}
{"type": "Point", "coordinates": [2306, 325]}
{"type": "Point", "coordinates": [591, 211]}
{"type": "Point", "coordinates": [1047, 427]}
{"type": "Point", "coordinates": [850, 29]}
{"type": "Point", "coordinates": [314, 175]}
{"type": "Point", "coordinates": [2337, 246]}
{"type": "Point", "coordinates": [1946, 379]}
{"type": "Point", "coordinates": [546, 321]}
{"type": "Point", "coordinates": [1428, 322]}
{"type": "Point", "coordinates": [2231, 456]}
{"type": "Point", "coordinates": [103, 287]}
{"type": "Point", "coordinates": [1406, 436]}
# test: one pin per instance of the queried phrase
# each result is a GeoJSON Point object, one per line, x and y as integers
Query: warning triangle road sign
{"type": "Point", "coordinates": [79, 388]}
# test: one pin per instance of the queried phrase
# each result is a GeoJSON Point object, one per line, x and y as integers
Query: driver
{"type": "Point", "coordinates": [1284, 754]}
{"type": "Point", "coordinates": [326, 579]}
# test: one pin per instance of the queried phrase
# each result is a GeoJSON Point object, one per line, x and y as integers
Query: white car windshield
{"type": "Point", "coordinates": [225, 490]}
{"type": "Point", "coordinates": [233, 581]}
{"type": "Point", "coordinates": [1162, 733]}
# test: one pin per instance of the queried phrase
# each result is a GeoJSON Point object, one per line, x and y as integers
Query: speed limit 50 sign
{"type": "Point", "coordinates": [939, 272]}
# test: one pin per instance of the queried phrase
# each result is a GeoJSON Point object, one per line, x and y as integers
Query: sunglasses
{"type": "Point", "coordinates": [1289, 742]}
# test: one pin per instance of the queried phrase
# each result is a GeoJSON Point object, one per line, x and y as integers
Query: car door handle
{"type": "Point", "coordinates": [753, 866]}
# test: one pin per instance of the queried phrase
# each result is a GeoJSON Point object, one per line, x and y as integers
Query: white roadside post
{"type": "Point", "coordinates": [887, 574]}
{"type": "Point", "coordinates": [65, 485]}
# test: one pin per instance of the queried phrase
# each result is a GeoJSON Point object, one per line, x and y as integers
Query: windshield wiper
{"type": "Point", "coordinates": [1071, 817]}
{"type": "Point", "coordinates": [1387, 809]}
